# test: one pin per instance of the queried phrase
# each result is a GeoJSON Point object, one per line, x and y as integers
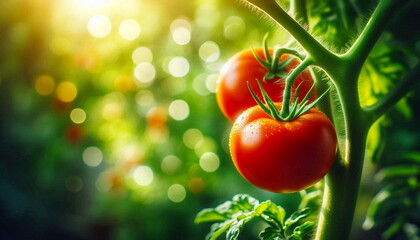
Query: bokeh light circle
{"type": "Point", "coordinates": [178, 66]}
{"type": "Point", "coordinates": [179, 110]}
{"type": "Point", "coordinates": [92, 156]}
{"type": "Point", "coordinates": [234, 28]}
{"type": "Point", "coordinates": [209, 51]}
{"type": "Point", "coordinates": [209, 162]}
{"type": "Point", "coordinates": [170, 164]}
{"type": "Point", "coordinates": [99, 26]}
{"type": "Point", "coordinates": [129, 29]}
{"type": "Point", "coordinates": [66, 91]}
{"type": "Point", "coordinates": [144, 98]}
{"type": "Point", "coordinates": [78, 115]}
{"type": "Point", "coordinates": [145, 72]}
{"type": "Point", "coordinates": [143, 175]}
{"type": "Point", "coordinates": [181, 35]}
{"type": "Point", "coordinates": [44, 85]}
{"type": "Point", "coordinates": [142, 54]}
{"type": "Point", "coordinates": [177, 193]}
{"type": "Point", "coordinates": [211, 82]}
{"type": "Point", "coordinates": [192, 138]}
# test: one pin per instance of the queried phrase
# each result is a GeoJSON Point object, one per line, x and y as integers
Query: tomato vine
{"type": "Point", "coordinates": [354, 120]}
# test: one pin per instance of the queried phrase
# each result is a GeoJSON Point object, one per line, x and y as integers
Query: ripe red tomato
{"type": "Point", "coordinates": [283, 157]}
{"type": "Point", "coordinates": [233, 96]}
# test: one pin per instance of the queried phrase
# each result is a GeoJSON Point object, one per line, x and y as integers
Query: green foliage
{"type": "Point", "coordinates": [231, 217]}
{"type": "Point", "coordinates": [336, 21]}
{"type": "Point", "coordinates": [396, 206]}
{"type": "Point", "coordinates": [385, 66]}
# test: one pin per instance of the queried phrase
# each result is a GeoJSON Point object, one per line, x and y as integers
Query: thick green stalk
{"type": "Point", "coordinates": [321, 56]}
{"type": "Point", "coordinates": [298, 10]}
{"type": "Point", "coordinates": [342, 182]}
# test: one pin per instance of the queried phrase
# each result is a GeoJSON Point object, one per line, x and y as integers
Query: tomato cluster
{"type": "Point", "coordinates": [278, 156]}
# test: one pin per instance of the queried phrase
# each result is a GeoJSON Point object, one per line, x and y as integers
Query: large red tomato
{"type": "Point", "coordinates": [283, 157]}
{"type": "Point", "coordinates": [233, 96]}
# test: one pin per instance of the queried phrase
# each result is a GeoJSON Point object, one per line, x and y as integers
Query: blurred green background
{"type": "Point", "coordinates": [109, 124]}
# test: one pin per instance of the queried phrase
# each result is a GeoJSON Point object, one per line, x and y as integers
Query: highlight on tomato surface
{"type": "Point", "coordinates": [249, 65]}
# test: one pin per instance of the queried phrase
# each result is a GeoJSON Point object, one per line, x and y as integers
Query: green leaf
{"type": "Point", "coordinates": [388, 202]}
{"type": "Point", "coordinates": [270, 234]}
{"type": "Point", "coordinates": [232, 216]}
{"type": "Point", "coordinates": [398, 171]}
{"type": "Point", "coordinates": [335, 20]}
{"type": "Point", "coordinates": [210, 215]}
{"type": "Point", "coordinates": [217, 229]}
{"type": "Point", "coordinates": [237, 226]}
{"type": "Point", "coordinates": [385, 66]}
{"type": "Point", "coordinates": [296, 216]}
{"type": "Point", "coordinates": [295, 237]}
{"type": "Point", "coordinates": [304, 230]}
{"type": "Point", "coordinates": [226, 210]}
{"type": "Point", "coordinates": [413, 157]}
{"type": "Point", "coordinates": [262, 207]}
{"type": "Point", "coordinates": [244, 202]}
{"type": "Point", "coordinates": [393, 229]}
{"type": "Point", "coordinates": [275, 215]}
{"type": "Point", "coordinates": [374, 142]}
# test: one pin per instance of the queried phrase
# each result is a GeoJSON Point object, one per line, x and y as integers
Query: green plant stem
{"type": "Point", "coordinates": [343, 181]}
{"type": "Point", "coordinates": [400, 90]}
{"type": "Point", "coordinates": [321, 56]}
{"type": "Point", "coordinates": [298, 10]}
{"type": "Point", "coordinates": [360, 50]}
{"type": "Point", "coordinates": [285, 109]}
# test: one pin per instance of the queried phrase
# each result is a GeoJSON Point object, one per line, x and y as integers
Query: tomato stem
{"type": "Point", "coordinates": [285, 110]}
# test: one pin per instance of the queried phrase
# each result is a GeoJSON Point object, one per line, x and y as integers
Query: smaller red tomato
{"type": "Point", "coordinates": [233, 96]}
{"type": "Point", "coordinates": [283, 157]}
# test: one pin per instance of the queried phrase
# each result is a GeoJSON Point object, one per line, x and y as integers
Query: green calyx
{"type": "Point", "coordinates": [295, 110]}
{"type": "Point", "coordinates": [275, 68]}
{"type": "Point", "coordinates": [290, 108]}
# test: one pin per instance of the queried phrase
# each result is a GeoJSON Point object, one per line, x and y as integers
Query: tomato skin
{"type": "Point", "coordinates": [233, 96]}
{"type": "Point", "coordinates": [283, 157]}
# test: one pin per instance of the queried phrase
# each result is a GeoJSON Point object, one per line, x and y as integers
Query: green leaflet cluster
{"type": "Point", "coordinates": [396, 206]}
{"type": "Point", "coordinates": [231, 216]}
